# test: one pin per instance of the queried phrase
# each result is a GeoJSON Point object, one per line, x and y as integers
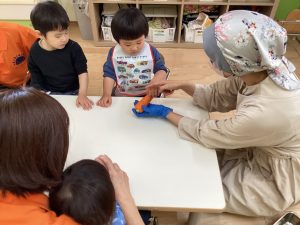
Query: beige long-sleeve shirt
{"type": "Point", "coordinates": [261, 161]}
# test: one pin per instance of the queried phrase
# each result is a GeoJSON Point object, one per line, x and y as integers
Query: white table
{"type": "Point", "coordinates": [165, 172]}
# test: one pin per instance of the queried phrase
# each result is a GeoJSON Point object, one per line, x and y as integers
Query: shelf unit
{"type": "Point", "coordinates": [267, 7]}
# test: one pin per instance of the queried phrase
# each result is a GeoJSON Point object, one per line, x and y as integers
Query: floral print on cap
{"type": "Point", "coordinates": [253, 42]}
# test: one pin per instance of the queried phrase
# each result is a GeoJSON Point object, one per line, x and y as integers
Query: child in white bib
{"type": "Point", "coordinates": [133, 63]}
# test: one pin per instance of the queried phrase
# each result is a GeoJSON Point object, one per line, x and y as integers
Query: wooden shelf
{"type": "Point", "coordinates": [267, 7]}
{"type": "Point", "coordinates": [252, 3]}
{"type": "Point", "coordinates": [160, 2]}
{"type": "Point", "coordinates": [197, 2]}
{"type": "Point", "coordinates": [113, 1]}
{"type": "Point", "coordinates": [174, 44]}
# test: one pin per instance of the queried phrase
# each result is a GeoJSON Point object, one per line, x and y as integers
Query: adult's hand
{"type": "Point", "coordinates": [167, 87]}
{"type": "Point", "coordinates": [118, 178]}
{"type": "Point", "coordinates": [121, 184]}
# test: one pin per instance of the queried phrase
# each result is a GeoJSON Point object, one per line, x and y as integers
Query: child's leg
{"type": "Point", "coordinates": [146, 215]}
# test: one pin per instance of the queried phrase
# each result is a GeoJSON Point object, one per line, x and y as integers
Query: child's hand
{"type": "Point", "coordinates": [105, 101]}
{"type": "Point", "coordinates": [118, 177]}
{"type": "Point", "coordinates": [84, 102]}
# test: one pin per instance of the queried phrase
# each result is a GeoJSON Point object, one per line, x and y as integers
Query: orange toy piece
{"type": "Point", "coordinates": [143, 102]}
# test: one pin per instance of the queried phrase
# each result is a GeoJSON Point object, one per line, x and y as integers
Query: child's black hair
{"type": "Point", "coordinates": [49, 16]}
{"type": "Point", "coordinates": [129, 24]}
{"type": "Point", "coordinates": [86, 194]}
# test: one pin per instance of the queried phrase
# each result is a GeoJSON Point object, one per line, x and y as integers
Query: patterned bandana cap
{"type": "Point", "coordinates": [252, 42]}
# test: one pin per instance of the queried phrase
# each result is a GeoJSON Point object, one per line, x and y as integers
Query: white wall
{"type": "Point", "coordinates": [13, 2]}
{"type": "Point", "coordinates": [16, 9]}
{"type": "Point", "coordinates": [20, 9]}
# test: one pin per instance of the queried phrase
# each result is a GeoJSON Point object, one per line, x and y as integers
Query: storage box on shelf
{"type": "Point", "coordinates": [106, 32]}
{"type": "Point", "coordinates": [195, 21]}
{"type": "Point", "coordinates": [161, 35]}
{"type": "Point", "coordinates": [108, 11]}
{"type": "Point", "coordinates": [169, 13]}
{"type": "Point", "coordinates": [193, 35]}
{"type": "Point", "coordinates": [177, 35]}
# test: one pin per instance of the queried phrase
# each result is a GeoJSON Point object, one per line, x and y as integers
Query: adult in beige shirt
{"type": "Point", "coordinates": [259, 146]}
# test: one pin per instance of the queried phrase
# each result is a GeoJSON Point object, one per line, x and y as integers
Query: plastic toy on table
{"type": "Point", "coordinates": [143, 102]}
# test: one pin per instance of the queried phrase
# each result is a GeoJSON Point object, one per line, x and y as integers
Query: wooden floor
{"type": "Point", "coordinates": [185, 64]}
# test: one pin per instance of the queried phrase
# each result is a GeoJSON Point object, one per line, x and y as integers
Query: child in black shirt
{"type": "Point", "coordinates": [56, 63]}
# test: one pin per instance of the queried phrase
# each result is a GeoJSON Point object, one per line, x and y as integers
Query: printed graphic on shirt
{"type": "Point", "coordinates": [118, 218]}
{"type": "Point", "coordinates": [18, 59]}
{"type": "Point", "coordinates": [133, 72]}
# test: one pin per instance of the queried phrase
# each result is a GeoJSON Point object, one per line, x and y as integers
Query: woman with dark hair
{"type": "Point", "coordinates": [34, 144]}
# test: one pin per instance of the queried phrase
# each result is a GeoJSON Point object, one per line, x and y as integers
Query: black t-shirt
{"type": "Point", "coordinates": [57, 70]}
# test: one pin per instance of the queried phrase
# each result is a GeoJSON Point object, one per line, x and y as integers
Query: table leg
{"type": "Point", "coordinates": [182, 217]}
{"type": "Point", "coordinates": [194, 218]}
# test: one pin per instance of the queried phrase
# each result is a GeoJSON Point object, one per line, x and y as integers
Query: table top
{"type": "Point", "coordinates": [165, 172]}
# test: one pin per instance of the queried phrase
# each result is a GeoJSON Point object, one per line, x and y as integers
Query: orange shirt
{"type": "Point", "coordinates": [32, 210]}
{"type": "Point", "coordinates": [15, 43]}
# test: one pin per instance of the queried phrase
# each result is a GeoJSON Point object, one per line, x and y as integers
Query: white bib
{"type": "Point", "coordinates": [133, 73]}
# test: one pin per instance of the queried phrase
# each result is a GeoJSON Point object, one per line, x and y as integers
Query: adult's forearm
{"type": "Point", "coordinates": [188, 88]}
{"type": "Point", "coordinates": [131, 212]}
{"type": "Point", "coordinates": [174, 118]}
